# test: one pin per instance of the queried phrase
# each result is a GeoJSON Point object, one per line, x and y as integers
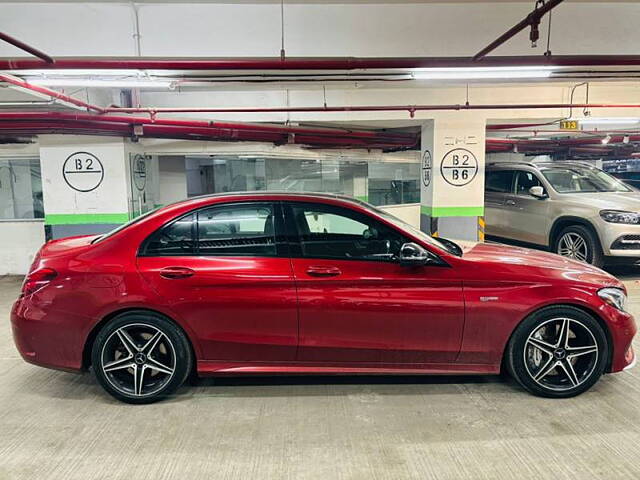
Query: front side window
{"type": "Point", "coordinates": [524, 181]}
{"type": "Point", "coordinates": [498, 181]}
{"type": "Point", "coordinates": [245, 230]}
{"type": "Point", "coordinates": [333, 232]}
{"type": "Point", "coordinates": [577, 179]}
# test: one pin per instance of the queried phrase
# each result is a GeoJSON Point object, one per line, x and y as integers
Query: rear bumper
{"type": "Point", "coordinates": [46, 339]}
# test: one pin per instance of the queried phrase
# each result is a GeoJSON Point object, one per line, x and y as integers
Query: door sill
{"type": "Point", "coordinates": [208, 367]}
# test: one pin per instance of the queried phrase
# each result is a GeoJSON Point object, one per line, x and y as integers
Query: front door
{"type": "Point", "coordinates": [526, 217]}
{"type": "Point", "coordinates": [221, 270]}
{"type": "Point", "coordinates": [357, 303]}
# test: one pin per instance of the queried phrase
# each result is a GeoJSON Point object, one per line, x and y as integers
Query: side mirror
{"type": "Point", "coordinates": [413, 255]}
{"type": "Point", "coordinates": [537, 192]}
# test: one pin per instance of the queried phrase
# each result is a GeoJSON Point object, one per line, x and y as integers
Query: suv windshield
{"type": "Point", "coordinates": [577, 179]}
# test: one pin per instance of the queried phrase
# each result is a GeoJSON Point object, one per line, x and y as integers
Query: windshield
{"type": "Point", "coordinates": [446, 245]}
{"type": "Point", "coordinates": [125, 225]}
{"type": "Point", "coordinates": [576, 179]}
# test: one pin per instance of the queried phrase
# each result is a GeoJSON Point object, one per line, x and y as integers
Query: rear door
{"type": "Point", "coordinates": [498, 183]}
{"type": "Point", "coordinates": [224, 271]}
{"type": "Point", "coordinates": [358, 304]}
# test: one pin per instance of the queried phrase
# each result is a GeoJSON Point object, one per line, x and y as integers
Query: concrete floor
{"type": "Point", "coordinates": [55, 425]}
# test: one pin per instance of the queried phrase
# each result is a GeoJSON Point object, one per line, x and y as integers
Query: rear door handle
{"type": "Point", "coordinates": [316, 271]}
{"type": "Point", "coordinates": [174, 273]}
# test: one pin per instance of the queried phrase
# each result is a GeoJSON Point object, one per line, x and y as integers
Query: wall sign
{"type": "Point", "coordinates": [569, 125]}
{"type": "Point", "coordinates": [83, 171]}
{"type": "Point", "coordinates": [139, 171]}
{"type": "Point", "coordinates": [459, 167]}
{"type": "Point", "coordinates": [426, 168]}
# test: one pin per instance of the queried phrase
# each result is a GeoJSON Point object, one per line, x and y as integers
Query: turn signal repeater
{"type": "Point", "coordinates": [38, 279]}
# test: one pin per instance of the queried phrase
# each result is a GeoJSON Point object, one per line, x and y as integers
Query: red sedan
{"type": "Point", "coordinates": [295, 283]}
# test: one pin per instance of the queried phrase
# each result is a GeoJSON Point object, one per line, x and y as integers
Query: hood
{"type": "Point", "coordinates": [629, 201]}
{"type": "Point", "coordinates": [530, 263]}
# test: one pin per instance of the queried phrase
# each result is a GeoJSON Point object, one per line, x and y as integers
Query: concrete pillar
{"type": "Point", "coordinates": [85, 184]}
{"type": "Point", "coordinates": [452, 176]}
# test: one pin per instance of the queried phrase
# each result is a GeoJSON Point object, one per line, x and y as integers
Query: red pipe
{"type": "Point", "coordinates": [18, 82]}
{"type": "Point", "coordinates": [315, 63]}
{"type": "Point", "coordinates": [27, 48]}
{"type": "Point", "coordinates": [532, 20]}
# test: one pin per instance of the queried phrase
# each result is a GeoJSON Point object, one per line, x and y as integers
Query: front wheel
{"type": "Point", "coordinates": [579, 243]}
{"type": "Point", "coordinates": [141, 357]}
{"type": "Point", "coordinates": [558, 352]}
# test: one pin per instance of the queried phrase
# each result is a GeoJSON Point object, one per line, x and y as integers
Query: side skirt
{"type": "Point", "coordinates": [207, 368]}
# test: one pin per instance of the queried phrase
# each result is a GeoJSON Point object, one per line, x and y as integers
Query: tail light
{"type": "Point", "coordinates": [38, 279]}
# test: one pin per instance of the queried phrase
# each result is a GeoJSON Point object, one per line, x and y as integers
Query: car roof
{"type": "Point", "coordinates": [539, 165]}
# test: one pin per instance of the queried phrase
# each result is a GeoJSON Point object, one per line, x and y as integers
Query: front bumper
{"type": "Point", "coordinates": [619, 240]}
{"type": "Point", "coordinates": [622, 329]}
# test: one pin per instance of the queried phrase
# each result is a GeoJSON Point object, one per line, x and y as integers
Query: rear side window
{"type": "Point", "coordinates": [498, 181]}
{"type": "Point", "coordinates": [245, 230]}
{"type": "Point", "coordinates": [173, 239]}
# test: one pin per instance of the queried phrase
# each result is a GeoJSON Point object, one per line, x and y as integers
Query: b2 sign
{"type": "Point", "coordinates": [83, 171]}
{"type": "Point", "coordinates": [459, 167]}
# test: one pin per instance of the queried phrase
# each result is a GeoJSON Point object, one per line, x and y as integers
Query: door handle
{"type": "Point", "coordinates": [176, 272]}
{"type": "Point", "coordinates": [323, 271]}
{"type": "Point", "coordinates": [510, 202]}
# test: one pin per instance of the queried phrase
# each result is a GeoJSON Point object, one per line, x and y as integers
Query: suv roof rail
{"type": "Point", "coordinates": [512, 162]}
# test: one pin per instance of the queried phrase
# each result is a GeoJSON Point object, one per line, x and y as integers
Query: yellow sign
{"type": "Point", "coordinates": [569, 125]}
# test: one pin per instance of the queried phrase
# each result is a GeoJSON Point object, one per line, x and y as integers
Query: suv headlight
{"type": "Point", "coordinates": [614, 297]}
{"type": "Point", "coordinates": [620, 216]}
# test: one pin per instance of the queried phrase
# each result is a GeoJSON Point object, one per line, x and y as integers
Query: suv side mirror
{"type": "Point", "coordinates": [537, 192]}
{"type": "Point", "coordinates": [413, 255]}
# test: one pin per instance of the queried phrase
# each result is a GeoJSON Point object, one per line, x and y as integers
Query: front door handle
{"type": "Point", "coordinates": [175, 273]}
{"type": "Point", "coordinates": [319, 271]}
{"type": "Point", "coordinates": [510, 202]}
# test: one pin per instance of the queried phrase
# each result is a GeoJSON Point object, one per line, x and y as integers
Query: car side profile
{"type": "Point", "coordinates": [570, 208]}
{"type": "Point", "coordinates": [277, 283]}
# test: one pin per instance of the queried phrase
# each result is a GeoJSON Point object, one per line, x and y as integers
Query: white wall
{"type": "Point", "coordinates": [19, 242]}
{"type": "Point", "coordinates": [172, 179]}
{"type": "Point", "coordinates": [320, 29]}
{"type": "Point", "coordinates": [409, 213]}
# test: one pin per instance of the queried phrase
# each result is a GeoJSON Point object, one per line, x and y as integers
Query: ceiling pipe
{"type": "Point", "coordinates": [25, 47]}
{"type": "Point", "coordinates": [532, 20]}
{"type": "Point", "coordinates": [18, 82]}
{"type": "Point", "coordinates": [314, 63]}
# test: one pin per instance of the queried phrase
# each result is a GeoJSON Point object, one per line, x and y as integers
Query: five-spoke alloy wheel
{"type": "Point", "coordinates": [558, 352]}
{"type": "Point", "coordinates": [141, 357]}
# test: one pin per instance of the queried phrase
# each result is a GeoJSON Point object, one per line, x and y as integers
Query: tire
{"type": "Point", "coordinates": [537, 340]}
{"type": "Point", "coordinates": [584, 236]}
{"type": "Point", "coordinates": [141, 357]}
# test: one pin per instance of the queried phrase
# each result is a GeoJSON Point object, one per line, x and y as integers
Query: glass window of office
{"type": "Point", "coordinates": [380, 183]}
{"type": "Point", "coordinates": [20, 189]}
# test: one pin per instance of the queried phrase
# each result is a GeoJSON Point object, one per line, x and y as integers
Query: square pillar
{"type": "Point", "coordinates": [84, 184]}
{"type": "Point", "coordinates": [452, 176]}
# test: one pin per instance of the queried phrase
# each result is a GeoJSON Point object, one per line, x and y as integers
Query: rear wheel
{"type": "Point", "coordinates": [141, 357]}
{"type": "Point", "coordinates": [557, 352]}
{"type": "Point", "coordinates": [579, 243]}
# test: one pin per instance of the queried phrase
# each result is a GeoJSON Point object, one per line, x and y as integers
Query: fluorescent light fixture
{"type": "Point", "coordinates": [101, 83]}
{"type": "Point", "coordinates": [606, 139]}
{"type": "Point", "coordinates": [481, 73]}
{"type": "Point", "coordinates": [74, 72]}
{"type": "Point", "coordinates": [607, 120]}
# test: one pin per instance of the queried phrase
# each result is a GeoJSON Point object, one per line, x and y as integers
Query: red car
{"type": "Point", "coordinates": [283, 283]}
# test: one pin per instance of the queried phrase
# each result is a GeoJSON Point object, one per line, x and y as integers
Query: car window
{"type": "Point", "coordinates": [325, 231]}
{"type": "Point", "coordinates": [498, 181]}
{"type": "Point", "coordinates": [173, 239]}
{"type": "Point", "coordinates": [526, 180]}
{"type": "Point", "coordinates": [246, 230]}
{"type": "Point", "coordinates": [579, 179]}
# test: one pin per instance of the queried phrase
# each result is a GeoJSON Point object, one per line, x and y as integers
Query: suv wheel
{"type": "Point", "coordinates": [557, 352]}
{"type": "Point", "coordinates": [579, 243]}
{"type": "Point", "coordinates": [141, 357]}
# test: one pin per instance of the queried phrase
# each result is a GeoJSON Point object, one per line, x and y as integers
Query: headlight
{"type": "Point", "coordinates": [614, 297]}
{"type": "Point", "coordinates": [620, 216]}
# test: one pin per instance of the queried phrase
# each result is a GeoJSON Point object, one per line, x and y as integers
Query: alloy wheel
{"type": "Point", "coordinates": [138, 359]}
{"type": "Point", "coordinates": [561, 354]}
{"type": "Point", "coordinates": [573, 245]}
